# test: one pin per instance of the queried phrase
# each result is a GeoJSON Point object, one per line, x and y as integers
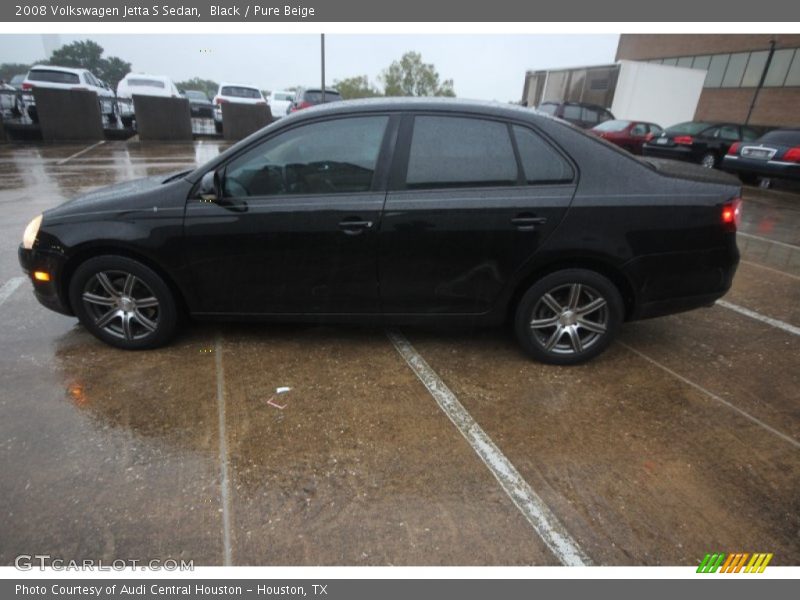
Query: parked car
{"type": "Point", "coordinates": [199, 104]}
{"type": "Point", "coordinates": [142, 84]}
{"type": "Point", "coordinates": [580, 114]}
{"type": "Point", "coordinates": [17, 80]}
{"type": "Point", "coordinates": [308, 97]}
{"type": "Point", "coordinates": [236, 93]}
{"type": "Point", "coordinates": [630, 135]}
{"type": "Point", "coordinates": [279, 103]}
{"type": "Point", "coordinates": [397, 211]}
{"type": "Point", "coordinates": [11, 105]}
{"type": "Point", "coordinates": [775, 155]}
{"type": "Point", "coordinates": [699, 141]}
{"type": "Point", "coordinates": [64, 78]}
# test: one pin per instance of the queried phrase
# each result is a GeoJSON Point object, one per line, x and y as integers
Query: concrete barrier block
{"type": "Point", "coordinates": [68, 115]}
{"type": "Point", "coordinates": [3, 137]}
{"type": "Point", "coordinates": [240, 120]}
{"type": "Point", "coordinates": [164, 119]}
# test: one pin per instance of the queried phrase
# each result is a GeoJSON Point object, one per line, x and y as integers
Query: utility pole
{"type": "Point", "coordinates": [761, 81]}
{"type": "Point", "coordinates": [322, 60]}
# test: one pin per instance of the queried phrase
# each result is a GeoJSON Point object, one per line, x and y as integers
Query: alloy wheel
{"type": "Point", "coordinates": [569, 319]}
{"type": "Point", "coordinates": [121, 304]}
{"type": "Point", "coordinates": [709, 161]}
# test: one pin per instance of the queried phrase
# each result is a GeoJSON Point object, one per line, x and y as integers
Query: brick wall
{"type": "Point", "coordinates": [774, 107]}
{"type": "Point", "coordinates": [645, 46]}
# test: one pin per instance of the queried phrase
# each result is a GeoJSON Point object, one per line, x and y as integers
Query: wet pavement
{"type": "Point", "coordinates": [682, 439]}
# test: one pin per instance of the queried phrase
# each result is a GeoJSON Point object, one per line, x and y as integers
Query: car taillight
{"type": "Point", "coordinates": [304, 104]}
{"type": "Point", "coordinates": [684, 140]}
{"type": "Point", "coordinates": [732, 214]}
{"type": "Point", "coordinates": [792, 155]}
{"type": "Point", "coordinates": [734, 148]}
{"type": "Point", "coordinates": [27, 86]}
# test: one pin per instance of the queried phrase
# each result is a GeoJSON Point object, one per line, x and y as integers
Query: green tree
{"type": "Point", "coordinates": [8, 70]}
{"type": "Point", "coordinates": [356, 87]}
{"type": "Point", "coordinates": [89, 55]}
{"type": "Point", "coordinates": [411, 77]}
{"type": "Point", "coordinates": [208, 86]}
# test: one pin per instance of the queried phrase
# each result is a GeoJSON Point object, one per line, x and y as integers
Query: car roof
{"type": "Point", "coordinates": [244, 85]}
{"type": "Point", "coordinates": [146, 76]}
{"type": "Point", "coordinates": [55, 68]}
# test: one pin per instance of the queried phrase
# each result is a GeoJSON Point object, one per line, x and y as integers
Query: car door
{"type": "Point", "coordinates": [471, 199]}
{"type": "Point", "coordinates": [295, 230]}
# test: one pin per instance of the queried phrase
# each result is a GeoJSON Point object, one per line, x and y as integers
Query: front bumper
{"type": "Point", "coordinates": [48, 293]}
{"type": "Point", "coordinates": [764, 168]}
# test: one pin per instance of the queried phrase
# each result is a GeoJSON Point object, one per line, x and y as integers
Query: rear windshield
{"type": "Point", "coordinates": [784, 137]}
{"type": "Point", "coordinates": [612, 126]}
{"type": "Point", "coordinates": [53, 76]}
{"type": "Point", "coordinates": [236, 91]}
{"type": "Point", "coordinates": [154, 83]}
{"type": "Point", "coordinates": [315, 96]}
{"type": "Point", "coordinates": [690, 127]}
{"type": "Point", "coordinates": [195, 95]}
{"type": "Point", "coordinates": [548, 109]}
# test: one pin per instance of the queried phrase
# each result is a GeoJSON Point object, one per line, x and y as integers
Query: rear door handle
{"type": "Point", "coordinates": [354, 226]}
{"type": "Point", "coordinates": [528, 223]}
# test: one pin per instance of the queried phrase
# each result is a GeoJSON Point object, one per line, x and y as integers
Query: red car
{"type": "Point", "coordinates": [630, 135]}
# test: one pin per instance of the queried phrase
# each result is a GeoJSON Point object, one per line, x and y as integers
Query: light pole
{"type": "Point", "coordinates": [322, 60]}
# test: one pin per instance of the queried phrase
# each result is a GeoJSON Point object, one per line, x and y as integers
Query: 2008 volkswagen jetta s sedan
{"type": "Point", "coordinates": [395, 211]}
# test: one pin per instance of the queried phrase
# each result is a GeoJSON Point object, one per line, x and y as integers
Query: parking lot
{"type": "Point", "coordinates": [406, 447]}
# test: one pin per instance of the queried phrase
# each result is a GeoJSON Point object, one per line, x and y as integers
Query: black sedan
{"type": "Point", "coordinates": [199, 104]}
{"type": "Point", "coordinates": [397, 211]}
{"type": "Point", "coordinates": [776, 154]}
{"type": "Point", "coordinates": [699, 142]}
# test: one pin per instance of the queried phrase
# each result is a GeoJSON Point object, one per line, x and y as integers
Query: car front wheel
{"type": "Point", "coordinates": [709, 160]}
{"type": "Point", "coordinates": [123, 302]}
{"type": "Point", "coordinates": [568, 317]}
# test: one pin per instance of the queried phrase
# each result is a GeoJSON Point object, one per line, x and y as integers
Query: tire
{"type": "Point", "coordinates": [564, 335]}
{"type": "Point", "coordinates": [709, 160]}
{"type": "Point", "coordinates": [123, 303]}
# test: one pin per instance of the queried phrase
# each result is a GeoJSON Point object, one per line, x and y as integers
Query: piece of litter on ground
{"type": "Point", "coordinates": [282, 390]}
{"type": "Point", "coordinates": [271, 403]}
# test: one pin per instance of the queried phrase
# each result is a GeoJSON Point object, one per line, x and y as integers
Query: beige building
{"type": "Point", "coordinates": [736, 65]}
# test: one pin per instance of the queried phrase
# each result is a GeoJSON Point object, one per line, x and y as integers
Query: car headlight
{"type": "Point", "coordinates": [31, 231]}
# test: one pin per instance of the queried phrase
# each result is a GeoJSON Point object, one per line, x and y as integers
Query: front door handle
{"type": "Point", "coordinates": [527, 222]}
{"type": "Point", "coordinates": [354, 226]}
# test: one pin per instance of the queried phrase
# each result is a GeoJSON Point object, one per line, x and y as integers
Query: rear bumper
{"type": "Point", "coordinates": [673, 152]}
{"type": "Point", "coordinates": [48, 293]}
{"type": "Point", "coordinates": [764, 168]}
{"type": "Point", "coordinates": [680, 281]}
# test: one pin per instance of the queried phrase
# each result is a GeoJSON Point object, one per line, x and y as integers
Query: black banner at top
{"type": "Point", "coordinates": [403, 11]}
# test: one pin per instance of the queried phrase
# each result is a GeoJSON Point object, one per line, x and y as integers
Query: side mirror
{"type": "Point", "coordinates": [210, 187]}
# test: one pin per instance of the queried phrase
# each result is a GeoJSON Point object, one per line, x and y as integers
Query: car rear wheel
{"type": "Point", "coordinates": [568, 317]}
{"type": "Point", "coordinates": [123, 303]}
{"type": "Point", "coordinates": [709, 160]}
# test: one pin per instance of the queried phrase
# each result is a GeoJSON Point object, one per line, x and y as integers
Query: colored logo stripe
{"type": "Point", "coordinates": [734, 562]}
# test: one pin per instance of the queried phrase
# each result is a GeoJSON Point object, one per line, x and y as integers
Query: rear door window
{"type": "Point", "coordinates": [639, 129]}
{"type": "Point", "coordinates": [572, 112]}
{"type": "Point", "coordinates": [729, 132]}
{"type": "Point", "coordinates": [457, 152]}
{"type": "Point", "coordinates": [541, 163]}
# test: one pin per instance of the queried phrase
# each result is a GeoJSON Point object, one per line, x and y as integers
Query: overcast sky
{"type": "Point", "coordinates": [487, 67]}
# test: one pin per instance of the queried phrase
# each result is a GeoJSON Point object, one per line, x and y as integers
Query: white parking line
{"type": "Point", "coordinates": [64, 161]}
{"type": "Point", "coordinates": [763, 239]}
{"type": "Point", "coordinates": [223, 454]}
{"type": "Point", "coordinates": [543, 521]}
{"type": "Point", "coordinates": [788, 327]}
{"type": "Point", "coordinates": [778, 271]}
{"type": "Point", "coordinates": [713, 396]}
{"type": "Point", "coordinates": [9, 287]}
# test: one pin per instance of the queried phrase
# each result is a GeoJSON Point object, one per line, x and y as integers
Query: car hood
{"type": "Point", "coordinates": [136, 194]}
